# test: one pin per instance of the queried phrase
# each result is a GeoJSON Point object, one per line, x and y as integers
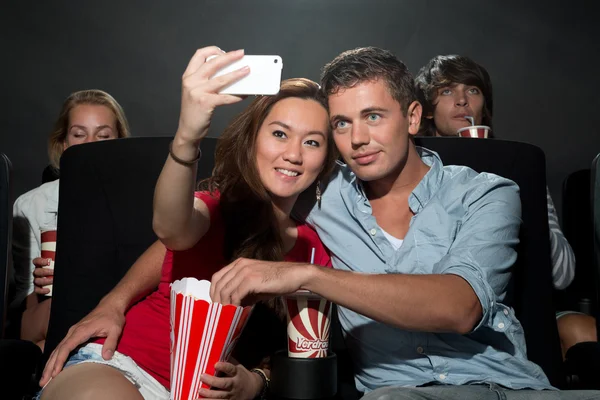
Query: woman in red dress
{"type": "Point", "coordinates": [268, 155]}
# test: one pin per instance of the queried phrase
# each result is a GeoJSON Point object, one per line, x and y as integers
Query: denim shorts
{"type": "Point", "coordinates": [149, 388]}
{"type": "Point", "coordinates": [563, 313]}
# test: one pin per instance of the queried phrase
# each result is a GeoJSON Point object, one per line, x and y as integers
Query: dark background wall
{"type": "Point", "coordinates": [543, 59]}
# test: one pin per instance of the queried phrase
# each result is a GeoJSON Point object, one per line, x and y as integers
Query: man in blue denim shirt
{"type": "Point", "coordinates": [422, 252]}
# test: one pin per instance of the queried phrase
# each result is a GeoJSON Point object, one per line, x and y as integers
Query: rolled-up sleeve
{"type": "Point", "coordinates": [484, 249]}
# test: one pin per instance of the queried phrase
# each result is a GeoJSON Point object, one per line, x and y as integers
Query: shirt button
{"type": "Point", "coordinates": [501, 325]}
{"type": "Point", "coordinates": [420, 350]}
{"type": "Point", "coordinates": [442, 376]}
{"type": "Point", "coordinates": [505, 312]}
{"type": "Point", "coordinates": [373, 231]}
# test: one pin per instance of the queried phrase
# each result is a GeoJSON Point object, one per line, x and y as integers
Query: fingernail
{"type": "Point", "coordinates": [240, 51]}
{"type": "Point", "coordinates": [246, 68]}
{"type": "Point", "coordinates": [49, 261]}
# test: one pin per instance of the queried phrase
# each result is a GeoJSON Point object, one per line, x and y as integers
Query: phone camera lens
{"type": "Point", "coordinates": [275, 61]}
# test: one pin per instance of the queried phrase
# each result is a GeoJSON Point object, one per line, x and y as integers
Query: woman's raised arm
{"type": "Point", "coordinates": [180, 221]}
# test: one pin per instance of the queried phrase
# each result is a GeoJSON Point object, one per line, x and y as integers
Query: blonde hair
{"type": "Point", "coordinates": [61, 126]}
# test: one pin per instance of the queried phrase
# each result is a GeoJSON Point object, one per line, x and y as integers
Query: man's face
{"type": "Point", "coordinates": [370, 130]}
{"type": "Point", "coordinates": [452, 104]}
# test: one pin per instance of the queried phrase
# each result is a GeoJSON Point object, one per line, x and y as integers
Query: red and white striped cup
{"type": "Point", "coordinates": [48, 242]}
{"type": "Point", "coordinates": [202, 334]}
{"type": "Point", "coordinates": [475, 131]}
{"type": "Point", "coordinates": [308, 323]}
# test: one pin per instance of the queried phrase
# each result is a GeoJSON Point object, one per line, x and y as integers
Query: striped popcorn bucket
{"type": "Point", "coordinates": [202, 334]}
{"type": "Point", "coordinates": [308, 323]}
{"type": "Point", "coordinates": [48, 242]}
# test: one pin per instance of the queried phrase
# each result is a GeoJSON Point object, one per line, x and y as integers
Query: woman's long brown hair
{"type": "Point", "coordinates": [251, 229]}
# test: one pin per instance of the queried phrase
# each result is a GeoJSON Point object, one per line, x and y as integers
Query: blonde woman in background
{"type": "Point", "coordinates": [86, 116]}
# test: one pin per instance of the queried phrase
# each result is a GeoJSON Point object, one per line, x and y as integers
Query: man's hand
{"type": "Point", "coordinates": [237, 384]}
{"type": "Point", "coordinates": [104, 321]}
{"type": "Point", "coordinates": [42, 277]}
{"type": "Point", "coordinates": [243, 278]}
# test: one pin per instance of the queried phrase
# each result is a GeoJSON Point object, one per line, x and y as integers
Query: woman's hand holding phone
{"type": "Point", "coordinates": [200, 94]}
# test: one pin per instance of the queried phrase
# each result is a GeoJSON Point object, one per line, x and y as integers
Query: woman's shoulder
{"type": "Point", "coordinates": [307, 232]}
{"type": "Point", "coordinates": [43, 198]}
{"type": "Point", "coordinates": [315, 249]}
{"type": "Point", "coordinates": [211, 199]}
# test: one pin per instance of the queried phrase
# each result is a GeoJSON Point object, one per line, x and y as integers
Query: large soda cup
{"type": "Point", "coordinates": [48, 250]}
{"type": "Point", "coordinates": [202, 334]}
{"type": "Point", "coordinates": [308, 324]}
{"type": "Point", "coordinates": [475, 131]}
{"type": "Point", "coordinates": [308, 369]}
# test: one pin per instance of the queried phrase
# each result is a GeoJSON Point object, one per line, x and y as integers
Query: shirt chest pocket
{"type": "Point", "coordinates": [433, 243]}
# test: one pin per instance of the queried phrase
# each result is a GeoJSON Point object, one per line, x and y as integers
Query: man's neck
{"type": "Point", "coordinates": [402, 181]}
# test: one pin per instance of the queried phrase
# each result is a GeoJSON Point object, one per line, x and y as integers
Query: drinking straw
{"type": "Point", "coordinates": [312, 256]}
{"type": "Point", "coordinates": [470, 119]}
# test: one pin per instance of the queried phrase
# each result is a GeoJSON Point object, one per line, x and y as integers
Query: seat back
{"type": "Point", "coordinates": [595, 199]}
{"type": "Point", "coordinates": [5, 234]}
{"type": "Point", "coordinates": [50, 174]}
{"type": "Point", "coordinates": [531, 289]}
{"type": "Point", "coordinates": [577, 228]}
{"type": "Point", "coordinates": [104, 220]}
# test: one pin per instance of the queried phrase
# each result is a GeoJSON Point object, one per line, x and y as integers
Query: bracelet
{"type": "Point", "coordinates": [183, 162]}
{"type": "Point", "coordinates": [266, 382]}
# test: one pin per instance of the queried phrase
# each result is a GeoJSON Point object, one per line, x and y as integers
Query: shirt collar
{"type": "Point", "coordinates": [424, 190]}
{"type": "Point", "coordinates": [431, 181]}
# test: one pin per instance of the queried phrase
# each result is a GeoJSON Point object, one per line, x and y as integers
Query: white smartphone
{"type": "Point", "coordinates": [264, 77]}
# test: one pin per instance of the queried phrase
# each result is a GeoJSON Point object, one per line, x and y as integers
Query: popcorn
{"type": "Point", "coordinates": [202, 334]}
